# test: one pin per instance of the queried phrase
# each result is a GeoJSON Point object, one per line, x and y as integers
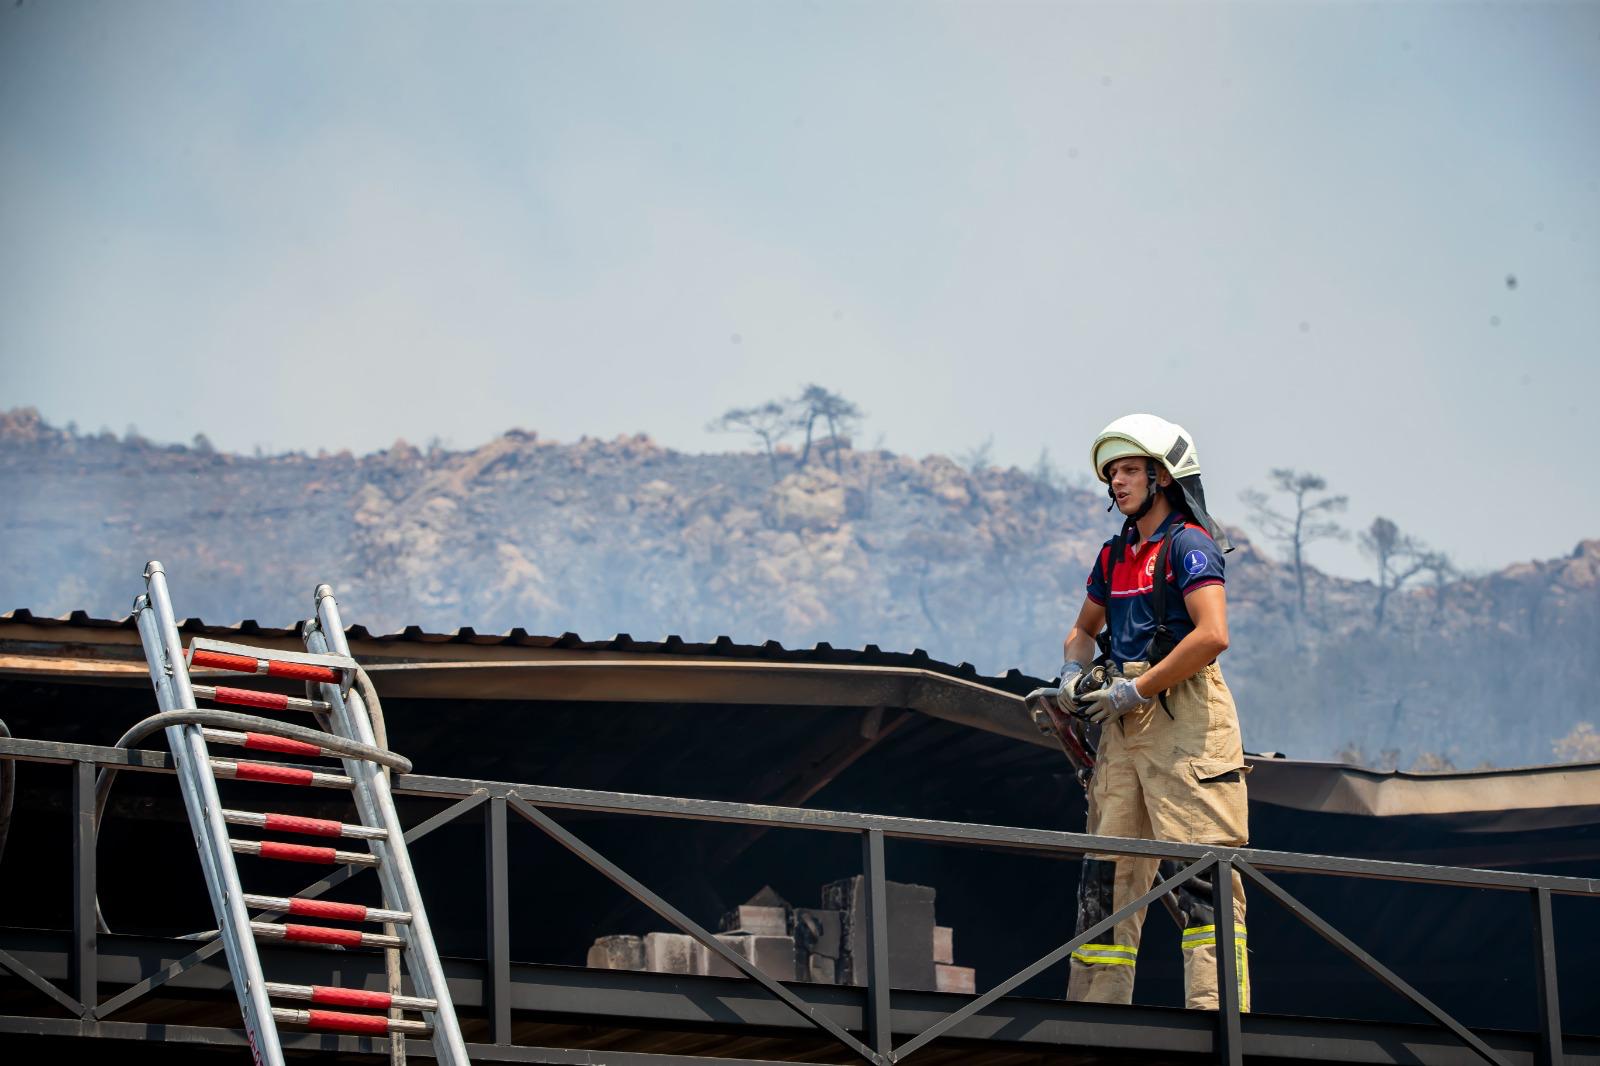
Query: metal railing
{"type": "Point", "coordinates": [874, 1044]}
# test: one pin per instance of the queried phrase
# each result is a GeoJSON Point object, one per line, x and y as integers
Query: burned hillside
{"type": "Point", "coordinates": [867, 547]}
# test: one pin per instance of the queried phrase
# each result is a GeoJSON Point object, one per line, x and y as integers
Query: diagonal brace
{"type": "Point", "coordinates": [949, 1021]}
{"type": "Point", "coordinates": [1378, 969]}
{"type": "Point", "coordinates": [10, 962]}
{"type": "Point", "coordinates": [661, 907]}
{"type": "Point", "coordinates": [412, 835]}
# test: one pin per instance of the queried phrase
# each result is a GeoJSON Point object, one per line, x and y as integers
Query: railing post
{"type": "Point", "coordinates": [1550, 1052]}
{"type": "Point", "coordinates": [497, 958]}
{"type": "Point", "coordinates": [84, 964]}
{"type": "Point", "coordinates": [876, 909]}
{"type": "Point", "coordinates": [1229, 1040]}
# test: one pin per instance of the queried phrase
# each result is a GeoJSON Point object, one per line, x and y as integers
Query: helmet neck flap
{"type": "Point", "coordinates": [1194, 499]}
{"type": "Point", "coordinates": [1186, 496]}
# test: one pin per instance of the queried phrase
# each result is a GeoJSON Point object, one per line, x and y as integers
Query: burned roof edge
{"type": "Point", "coordinates": [722, 646]}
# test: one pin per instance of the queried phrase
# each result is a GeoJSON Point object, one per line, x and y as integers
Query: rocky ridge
{"type": "Point", "coordinates": [600, 537]}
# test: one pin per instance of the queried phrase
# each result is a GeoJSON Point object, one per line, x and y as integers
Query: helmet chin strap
{"type": "Point", "coordinates": [1149, 492]}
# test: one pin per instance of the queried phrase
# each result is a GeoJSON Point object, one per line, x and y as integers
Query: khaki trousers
{"type": "Point", "coordinates": [1177, 778]}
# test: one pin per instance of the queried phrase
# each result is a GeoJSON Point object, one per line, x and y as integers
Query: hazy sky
{"type": "Point", "coordinates": [1290, 227]}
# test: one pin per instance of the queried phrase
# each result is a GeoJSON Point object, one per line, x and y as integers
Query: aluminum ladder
{"type": "Point", "coordinates": [342, 715]}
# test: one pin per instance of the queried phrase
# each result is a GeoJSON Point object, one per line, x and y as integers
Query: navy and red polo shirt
{"type": "Point", "coordinates": [1128, 595]}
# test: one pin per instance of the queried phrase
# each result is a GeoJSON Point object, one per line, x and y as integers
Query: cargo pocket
{"type": "Point", "coordinates": [1220, 771]}
{"type": "Point", "coordinates": [1219, 810]}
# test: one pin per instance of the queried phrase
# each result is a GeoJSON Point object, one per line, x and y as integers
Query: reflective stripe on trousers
{"type": "Point", "coordinates": [1106, 954]}
{"type": "Point", "coordinates": [1205, 936]}
{"type": "Point", "coordinates": [1103, 973]}
{"type": "Point", "coordinates": [1199, 935]}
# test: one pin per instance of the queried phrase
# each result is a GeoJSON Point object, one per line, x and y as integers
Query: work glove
{"type": "Point", "coordinates": [1113, 701]}
{"type": "Point", "coordinates": [1038, 703]}
{"type": "Point", "coordinates": [1071, 674]}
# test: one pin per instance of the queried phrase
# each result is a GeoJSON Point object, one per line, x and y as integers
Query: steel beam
{"type": "Point", "coordinates": [1021, 1029]}
{"type": "Point", "coordinates": [497, 959]}
{"type": "Point", "coordinates": [85, 980]}
{"type": "Point", "coordinates": [735, 1007]}
{"type": "Point", "coordinates": [9, 962]}
{"type": "Point", "coordinates": [1041, 840]}
{"type": "Point", "coordinates": [60, 751]}
{"type": "Point", "coordinates": [1230, 1045]}
{"type": "Point", "coordinates": [1544, 932]}
{"type": "Point", "coordinates": [876, 909]}
{"type": "Point", "coordinates": [1038, 840]}
{"type": "Point", "coordinates": [195, 1035]}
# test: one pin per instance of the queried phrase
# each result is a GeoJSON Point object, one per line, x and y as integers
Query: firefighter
{"type": "Point", "coordinates": [1171, 764]}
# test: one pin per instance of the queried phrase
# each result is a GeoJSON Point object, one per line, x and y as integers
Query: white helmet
{"type": "Point", "coordinates": [1146, 435]}
{"type": "Point", "coordinates": [1166, 443]}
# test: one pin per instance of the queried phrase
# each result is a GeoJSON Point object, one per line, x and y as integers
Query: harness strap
{"type": "Point", "coordinates": [1103, 638]}
{"type": "Point", "coordinates": [1161, 642]}
{"type": "Point", "coordinates": [1158, 599]}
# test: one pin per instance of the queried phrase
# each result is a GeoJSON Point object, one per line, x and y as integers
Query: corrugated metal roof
{"type": "Point", "coordinates": [1573, 789]}
{"type": "Point", "coordinates": [724, 647]}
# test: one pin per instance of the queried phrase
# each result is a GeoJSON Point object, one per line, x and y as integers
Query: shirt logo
{"type": "Point", "coordinates": [1150, 567]}
{"type": "Point", "coordinates": [1195, 562]}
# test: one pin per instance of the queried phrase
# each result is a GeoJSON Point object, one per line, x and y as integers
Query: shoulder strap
{"type": "Point", "coordinates": [1158, 605]}
{"type": "Point", "coordinates": [1114, 552]}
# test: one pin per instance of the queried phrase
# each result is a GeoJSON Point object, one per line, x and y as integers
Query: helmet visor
{"type": "Point", "coordinates": [1111, 449]}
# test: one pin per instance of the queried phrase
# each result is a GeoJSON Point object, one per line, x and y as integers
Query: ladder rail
{"type": "Point", "coordinates": [376, 805]}
{"type": "Point", "coordinates": [344, 719]}
{"type": "Point", "coordinates": [158, 632]}
{"type": "Point", "coordinates": [190, 790]}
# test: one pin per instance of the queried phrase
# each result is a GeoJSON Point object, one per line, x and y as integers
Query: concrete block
{"type": "Point", "coordinates": [817, 931]}
{"type": "Point", "coordinates": [708, 963]}
{"type": "Point", "coordinates": [944, 949]}
{"type": "Point", "coordinates": [772, 955]}
{"type": "Point", "coordinates": [617, 953]}
{"type": "Point", "coordinates": [669, 952]}
{"type": "Point", "coordinates": [956, 979]}
{"type": "Point", "coordinates": [910, 932]}
{"type": "Point", "coordinates": [822, 970]}
{"type": "Point", "coordinates": [775, 956]}
{"type": "Point", "coordinates": [756, 921]}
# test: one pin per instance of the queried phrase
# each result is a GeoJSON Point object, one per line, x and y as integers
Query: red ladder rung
{"type": "Point", "coordinates": [294, 823]}
{"type": "Point", "coordinates": [334, 996]}
{"type": "Point", "coordinates": [334, 1021]}
{"type": "Point", "coordinates": [249, 697]}
{"type": "Point", "coordinates": [244, 664]}
{"type": "Point", "coordinates": [277, 849]}
{"type": "Point", "coordinates": [277, 774]}
{"type": "Point", "coordinates": [323, 908]}
{"type": "Point", "coordinates": [268, 742]}
{"type": "Point", "coordinates": [321, 934]}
